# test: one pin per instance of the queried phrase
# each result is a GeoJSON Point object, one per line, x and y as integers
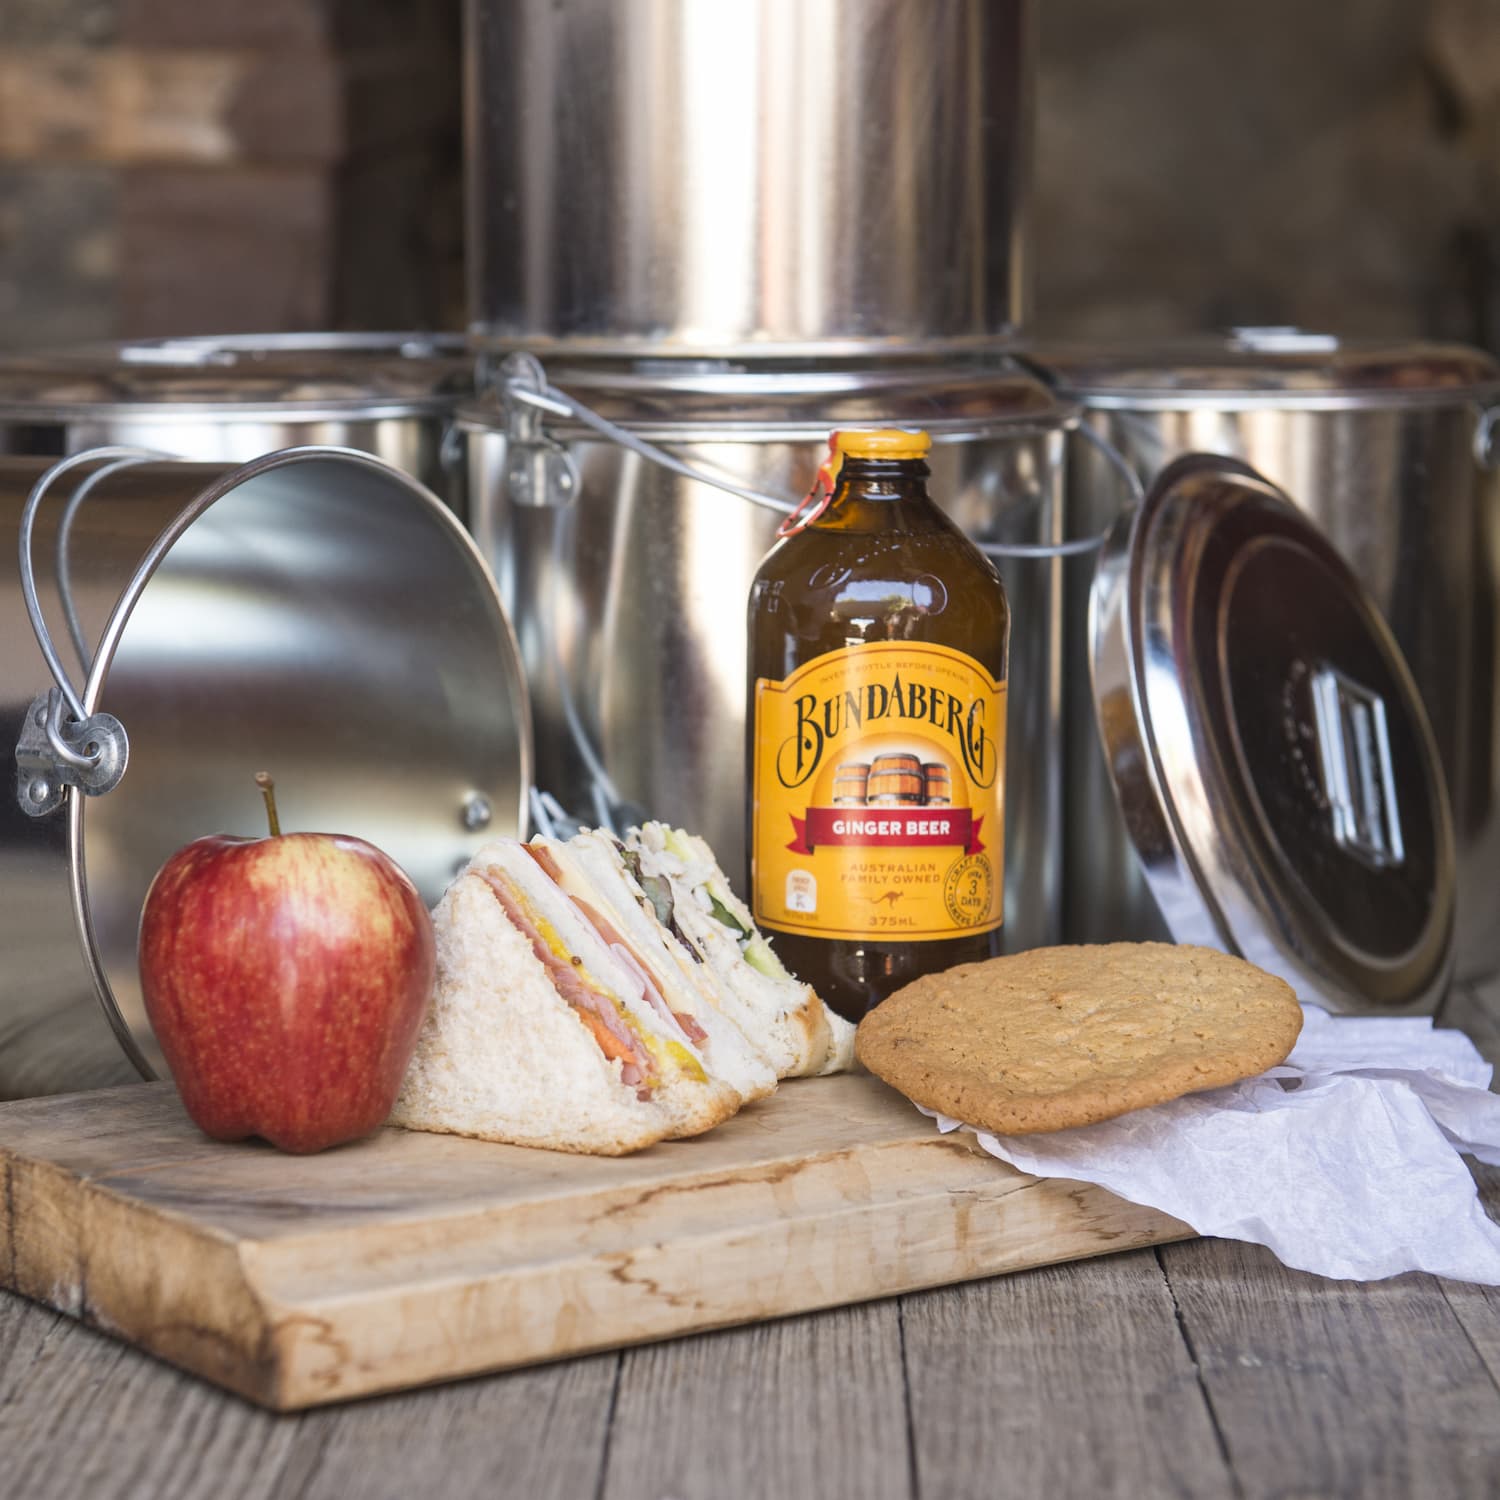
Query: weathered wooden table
{"type": "Point", "coordinates": [1199, 1369]}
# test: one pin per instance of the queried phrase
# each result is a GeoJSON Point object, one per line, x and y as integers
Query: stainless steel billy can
{"type": "Point", "coordinates": [232, 398]}
{"type": "Point", "coordinates": [315, 614]}
{"type": "Point", "coordinates": [752, 177]}
{"type": "Point", "coordinates": [1390, 449]}
{"type": "Point", "coordinates": [628, 580]}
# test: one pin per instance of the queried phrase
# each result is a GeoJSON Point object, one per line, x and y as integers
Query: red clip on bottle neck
{"type": "Point", "coordinates": [820, 496]}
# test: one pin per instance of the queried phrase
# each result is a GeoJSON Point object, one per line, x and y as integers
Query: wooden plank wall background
{"type": "Point", "coordinates": [174, 166]}
{"type": "Point", "coordinates": [187, 166]}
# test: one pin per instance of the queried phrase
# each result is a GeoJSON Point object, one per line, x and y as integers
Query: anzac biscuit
{"type": "Point", "coordinates": [1069, 1036]}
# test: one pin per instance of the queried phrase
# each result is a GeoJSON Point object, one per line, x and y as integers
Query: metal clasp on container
{"type": "Point", "coordinates": [53, 754]}
{"type": "Point", "coordinates": [538, 469]}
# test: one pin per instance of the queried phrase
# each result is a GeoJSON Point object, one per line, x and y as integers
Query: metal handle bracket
{"type": "Point", "coordinates": [53, 754]}
{"type": "Point", "coordinates": [539, 470]}
{"type": "Point", "coordinates": [1354, 746]}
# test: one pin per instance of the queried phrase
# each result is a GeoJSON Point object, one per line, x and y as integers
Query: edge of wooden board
{"type": "Point", "coordinates": [307, 1318]}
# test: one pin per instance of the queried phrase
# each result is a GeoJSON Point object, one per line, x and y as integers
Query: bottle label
{"type": "Point", "coordinates": [878, 785]}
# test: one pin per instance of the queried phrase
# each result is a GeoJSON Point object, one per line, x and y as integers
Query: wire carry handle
{"type": "Point", "coordinates": [59, 749]}
{"type": "Point", "coordinates": [529, 397]}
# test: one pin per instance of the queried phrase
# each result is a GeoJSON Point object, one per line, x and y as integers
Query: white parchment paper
{"type": "Point", "coordinates": [1344, 1160]}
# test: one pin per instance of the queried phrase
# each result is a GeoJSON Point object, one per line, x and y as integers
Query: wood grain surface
{"type": "Point", "coordinates": [410, 1258]}
{"type": "Point", "coordinates": [1200, 1369]}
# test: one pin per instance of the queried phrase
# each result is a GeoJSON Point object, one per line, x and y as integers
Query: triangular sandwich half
{"type": "Point", "coordinates": [535, 1034]}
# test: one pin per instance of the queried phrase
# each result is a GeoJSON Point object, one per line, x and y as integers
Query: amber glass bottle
{"type": "Point", "coordinates": [876, 728]}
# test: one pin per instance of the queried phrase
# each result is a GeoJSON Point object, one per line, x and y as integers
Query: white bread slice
{"type": "Point", "coordinates": [784, 1017]}
{"type": "Point", "coordinates": [593, 869]}
{"type": "Point", "coordinates": [694, 1098]}
{"type": "Point", "coordinates": [840, 1047]}
{"type": "Point", "coordinates": [501, 1056]}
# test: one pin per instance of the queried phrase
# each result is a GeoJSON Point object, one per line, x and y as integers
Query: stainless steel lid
{"type": "Point", "coordinates": [781, 400]}
{"type": "Point", "coordinates": [375, 374]}
{"type": "Point", "coordinates": [1270, 366]}
{"type": "Point", "coordinates": [1273, 762]}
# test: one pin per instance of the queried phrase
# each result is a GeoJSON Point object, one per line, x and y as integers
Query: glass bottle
{"type": "Point", "coordinates": [876, 732]}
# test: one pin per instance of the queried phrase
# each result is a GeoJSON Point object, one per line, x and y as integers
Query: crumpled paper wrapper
{"type": "Point", "coordinates": [1345, 1160]}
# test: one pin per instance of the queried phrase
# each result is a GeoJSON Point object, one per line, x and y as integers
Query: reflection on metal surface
{"type": "Point", "coordinates": [1376, 443]}
{"type": "Point", "coordinates": [315, 614]}
{"type": "Point", "coordinates": [1209, 604]}
{"type": "Point", "coordinates": [1354, 748]}
{"type": "Point", "coordinates": [812, 176]}
{"type": "Point", "coordinates": [232, 398]}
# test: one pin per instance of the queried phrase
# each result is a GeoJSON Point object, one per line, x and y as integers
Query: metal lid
{"type": "Point", "coordinates": [1273, 762]}
{"type": "Point", "coordinates": [372, 373]}
{"type": "Point", "coordinates": [1270, 366]}
{"type": "Point", "coordinates": [774, 400]}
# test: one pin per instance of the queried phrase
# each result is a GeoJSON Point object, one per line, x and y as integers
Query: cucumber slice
{"type": "Point", "coordinates": [676, 842]}
{"type": "Point", "coordinates": [759, 956]}
{"type": "Point", "coordinates": [726, 917]}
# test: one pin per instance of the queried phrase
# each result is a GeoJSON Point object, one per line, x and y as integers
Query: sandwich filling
{"type": "Point", "coordinates": [606, 1020]}
{"type": "Point", "coordinates": [684, 1025]}
{"type": "Point", "coordinates": [708, 888]}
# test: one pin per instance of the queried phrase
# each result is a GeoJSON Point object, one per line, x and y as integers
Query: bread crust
{"type": "Point", "coordinates": [1061, 1037]}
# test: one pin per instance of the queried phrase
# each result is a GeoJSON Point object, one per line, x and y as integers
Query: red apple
{"type": "Point", "coordinates": [286, 979]}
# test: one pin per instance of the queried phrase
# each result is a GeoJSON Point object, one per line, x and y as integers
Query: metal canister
{"type": "Point", "coordinates": [1390, 449]}
{"type": "Point", "coordinates": [315, 614]}
{"type": "Point", "coordinates": [762, 177]}
{"type": "Point", "coordinates": [232, 398]}
{"type": "Point", "coordinates": [629, 589]}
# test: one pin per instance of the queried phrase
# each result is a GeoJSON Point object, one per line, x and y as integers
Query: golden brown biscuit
{"type": "Point", "coordinates": [1059, 1037]}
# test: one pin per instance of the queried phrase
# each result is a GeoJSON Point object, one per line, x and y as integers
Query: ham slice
{"type": "Point", "coordinates": [596, 1011]}
{"type": "Point", "coordinates": [691, 1033]}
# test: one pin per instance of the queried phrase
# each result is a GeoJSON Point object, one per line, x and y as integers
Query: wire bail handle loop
{"type": "Point", "coordinates": [82, 750]}
{"type": "Point", "coordinates": [522, 384]}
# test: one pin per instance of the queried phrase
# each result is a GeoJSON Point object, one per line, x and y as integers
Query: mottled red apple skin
{"type": "Point", "coordinates": [286, 979]}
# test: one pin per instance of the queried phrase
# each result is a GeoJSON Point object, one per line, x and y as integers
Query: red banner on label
{"type": "Point", "coordinates": [886, 828]}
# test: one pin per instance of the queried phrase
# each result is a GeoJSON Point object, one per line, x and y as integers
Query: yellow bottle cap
{"type": "Point", "coordinates": [883, 442]}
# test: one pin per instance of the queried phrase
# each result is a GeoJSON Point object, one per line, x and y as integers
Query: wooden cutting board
{"type": "Point", "coordinates": [410, 1258]}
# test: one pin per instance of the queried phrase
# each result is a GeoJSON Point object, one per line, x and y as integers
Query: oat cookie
{"type": "Point", "coordinates": [1069, 1036]}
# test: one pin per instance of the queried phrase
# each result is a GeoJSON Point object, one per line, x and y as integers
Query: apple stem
{"type": "Point", "coordinates": [268, 791]}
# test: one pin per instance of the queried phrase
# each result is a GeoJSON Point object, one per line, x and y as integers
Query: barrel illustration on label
{"type": "Point", "coordinates": [919, 730]}
{"type": "Point", "coordinates": [851, 784]}
{"type": "Point", "coordinates": [937, 784]}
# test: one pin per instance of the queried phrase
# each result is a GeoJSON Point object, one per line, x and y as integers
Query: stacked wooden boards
{"type": "Point", "coordinates": [171, 167]}
{"type": "Point", "coordinates": [409, 1258]}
